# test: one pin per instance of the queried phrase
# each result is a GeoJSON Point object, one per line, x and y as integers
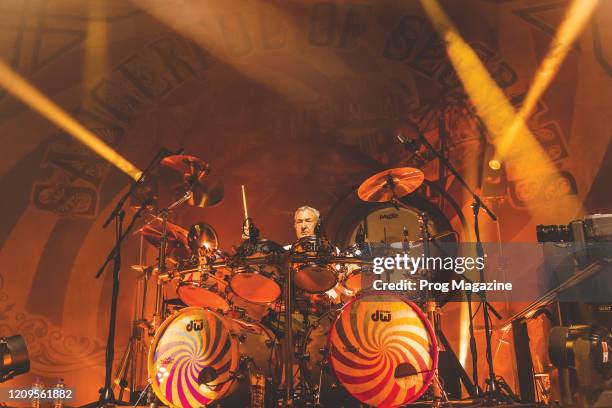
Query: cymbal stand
{"type": "Point", "coordinates": [432, 312]}
{"type": "Point", "coordinates": [131, 356]}
{"type": "Point", "coordinates": [289, 352]}
{"type": "Point", "coordinates": [158, 313]}
{"type": "Point", "coordinates": [494, 392]}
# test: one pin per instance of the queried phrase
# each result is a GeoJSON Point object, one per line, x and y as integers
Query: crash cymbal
{"type": "Point", "coordinates": [174, 177]}
{"type": "Point", "coordinates": [181, 173]}
{"type": "Point", "coordinates": [390, 184]}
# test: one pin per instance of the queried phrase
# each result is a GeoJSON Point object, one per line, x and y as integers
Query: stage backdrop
{"type": "Point", "coordinates": [295, 100]}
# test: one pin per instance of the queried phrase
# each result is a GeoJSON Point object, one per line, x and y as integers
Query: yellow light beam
{"type": "Point", "coordinates": [32, 97]}
{"type": "Point", "coordinates": [576, 17]}
{"type": "Point", "coordinates": [96, 42]}
{"type": "Point", "coordinates": [497, 113]}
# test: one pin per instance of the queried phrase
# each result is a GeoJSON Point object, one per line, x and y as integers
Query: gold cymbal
{"type": "Point", "coordinates": [175, 235]}
{"type": "Point", "coordinates": [181, 173]}
{"type": "Point", "coordinates": [175, 176]}
{"type": "Point", "coordinates": [392, 183]}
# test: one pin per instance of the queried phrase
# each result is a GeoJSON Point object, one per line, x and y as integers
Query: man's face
{"type": "Point", "coordinates": [305, 222]}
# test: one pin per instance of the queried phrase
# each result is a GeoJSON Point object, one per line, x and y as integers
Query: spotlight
{"type": "Point", "coordinates": [494, 164]}
{"type": "Point", "coordinates": [14, 358]}
{"type": "Point", "coordinates": [494, 181]}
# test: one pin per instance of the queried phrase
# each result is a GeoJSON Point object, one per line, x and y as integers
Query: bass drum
{"type": "Point", "coordinates": [196, 353]}
{"type": "Point", "coordinates": [379, 348]}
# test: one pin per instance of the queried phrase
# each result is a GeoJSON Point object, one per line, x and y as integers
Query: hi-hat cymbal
{"type": "Point", "coordinates": [176, 236]}
{"type": "Point", "coordinates": [389, 184]}
{"type": "Point", "coordinates": [177, 175]}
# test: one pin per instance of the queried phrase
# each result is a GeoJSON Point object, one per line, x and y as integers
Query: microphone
{"type": "Point", "coordinates": [405, 241]}
{"type": "Point", "coordinates": [253, 232]}
{"type": "Point", "coordinates": [411, 144]}
{"type": "Point", "coordinates": [317, 231]}
{"type": "Point", "coordinates": [360, 235]}
{"type": "Point", "coordinates": [318, 227]}
{"type": "Point", "coordinates": [165, 152]}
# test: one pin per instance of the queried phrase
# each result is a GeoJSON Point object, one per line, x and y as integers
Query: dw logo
{"type": "Point", "coordinates": [382, 315]}
{"type": "Point", "coordinates": [196, 325]}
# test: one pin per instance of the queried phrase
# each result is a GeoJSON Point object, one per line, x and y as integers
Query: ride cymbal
{"type": "Point", "coordinates": [390, 184]}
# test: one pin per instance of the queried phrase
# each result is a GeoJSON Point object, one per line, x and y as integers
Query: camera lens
{"type": "Point", "coordinates": [553, 233]}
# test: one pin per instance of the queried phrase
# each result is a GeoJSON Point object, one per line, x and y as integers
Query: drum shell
{"type": "Point", "coordinates": [263, 271]}
{"type": "Point", "coordinates": [208, 289]}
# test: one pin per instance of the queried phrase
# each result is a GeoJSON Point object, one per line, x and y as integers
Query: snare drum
{"type": "Point", "coordinates": [314, 275]}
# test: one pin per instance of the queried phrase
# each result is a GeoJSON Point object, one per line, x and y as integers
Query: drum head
{"type": "Point", "coordinates": [353, 281]}
{"type": "Point", "coordinates": [383, 350]}
{"type": "Point", "coordinates": [255, 287]}
{"type": "Point", "coordinates": [190, 344]}
{"type": "Point", "coordinates": [315, 278]}
{"type": "Point", "coordinates": [193, 295]}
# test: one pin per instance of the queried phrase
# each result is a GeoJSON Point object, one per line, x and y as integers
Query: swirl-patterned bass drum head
{"type": "Point", "coordinates": [192, 357]}
{"type": "Point", "coordinates": [383, 350]}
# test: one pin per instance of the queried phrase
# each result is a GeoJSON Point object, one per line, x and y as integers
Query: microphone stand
{"type": "Point", "coordinates": [107, 396]}
{"type": "Point", "coordinates": [494, 391]}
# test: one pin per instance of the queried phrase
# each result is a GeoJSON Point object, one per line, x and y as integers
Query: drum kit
{"type": "Point", "coordinates": [269, 326]}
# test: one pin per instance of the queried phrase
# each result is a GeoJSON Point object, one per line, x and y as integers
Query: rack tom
{"type": "Point", "coordinates": [312, 269]}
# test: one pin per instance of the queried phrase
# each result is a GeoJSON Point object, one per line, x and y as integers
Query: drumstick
{"type": "Point", "coordinates": [244, 204]}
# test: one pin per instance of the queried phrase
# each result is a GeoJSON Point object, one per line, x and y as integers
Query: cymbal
{"type": "Point", "coordinates": [202, 235]}
{"type": "Point", "coordinates": [180, 173]}
{"type": "Point", "coordinates": [389, 184]}
{"type": "Point", "coordinates": [176, 236]}
{"type": "Point", "coordinates": [174, 177]}
{"type": "Point", "coordinates": [145, 271]}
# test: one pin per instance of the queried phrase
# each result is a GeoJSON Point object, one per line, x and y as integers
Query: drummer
{"type": "Point", "coordinates": [305, 222]}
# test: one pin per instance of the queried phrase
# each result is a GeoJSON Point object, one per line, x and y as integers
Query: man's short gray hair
{"type": "Point", "coordinates": [307, 208]}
